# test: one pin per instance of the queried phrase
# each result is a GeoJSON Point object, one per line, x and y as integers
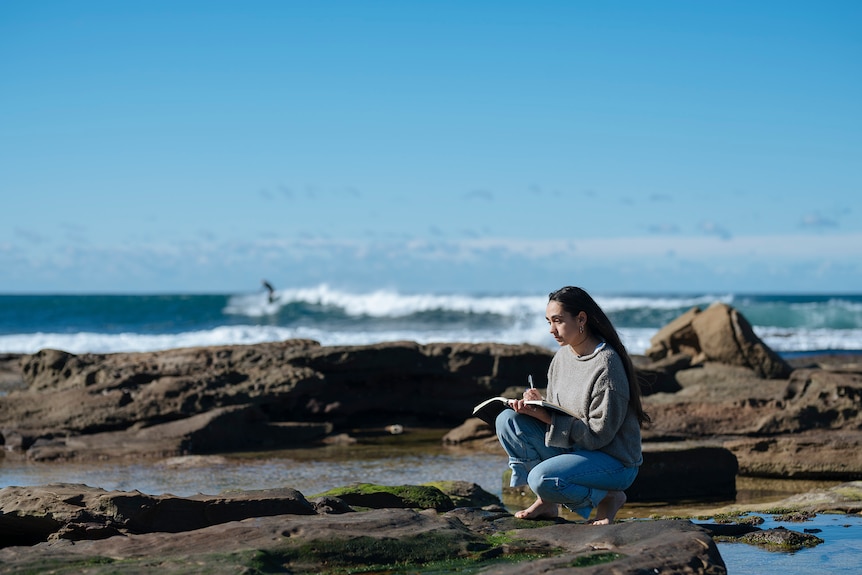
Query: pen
{"type": "Point", "coordinates": [530, 379]}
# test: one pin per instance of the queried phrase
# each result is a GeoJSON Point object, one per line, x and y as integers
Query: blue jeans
{"type": "Point", "coordinates": [577, 478]}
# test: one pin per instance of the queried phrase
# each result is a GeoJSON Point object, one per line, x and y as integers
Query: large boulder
{"type": "Point", "coordinates": [677, 337]}
{"type": "Point", "coordinates": [720, 334]}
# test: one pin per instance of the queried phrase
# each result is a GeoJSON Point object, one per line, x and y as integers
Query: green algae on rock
{"type": "Point", "coordinates": [781, 539]}
{"type": "Point", "coordinates": [465, 493]}
{"type": "Point", "coordinates": [375, 496]}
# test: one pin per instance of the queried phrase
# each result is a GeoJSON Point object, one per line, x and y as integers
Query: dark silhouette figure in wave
{"type": "Point", "coordinates": [270, 290]}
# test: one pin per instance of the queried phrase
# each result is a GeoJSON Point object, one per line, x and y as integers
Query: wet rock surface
{"type": "Point", "coordinates": [78, 526]}
{"type": "Point", "coordinates": [74, 528]}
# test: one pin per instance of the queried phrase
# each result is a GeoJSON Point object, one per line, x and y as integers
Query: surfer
{"type": "Point", "coordinates": [270, 290]}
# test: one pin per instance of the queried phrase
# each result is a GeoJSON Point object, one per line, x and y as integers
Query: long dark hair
{"type": "Point", "coordinates": [575, 300]}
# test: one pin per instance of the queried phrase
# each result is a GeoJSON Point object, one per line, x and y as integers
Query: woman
{"type": "Point", "coordinates": [585, 461]}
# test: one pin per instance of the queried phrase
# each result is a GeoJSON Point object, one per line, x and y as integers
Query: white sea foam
{"type": "Point", "coordinates": [240, 335]}
{"type": "Point", "coordinates": [783, 339]}
{"type": "Point", "coordinates": [391, 303]}
{"type": "Point", "coordinates": [637, 340]}
{"type": "Point", "coordinates": [612, 304]}
{"type": "Point", "coordinates": [88, 342]}
{"type": "Point", "coordinates": [383, 303]}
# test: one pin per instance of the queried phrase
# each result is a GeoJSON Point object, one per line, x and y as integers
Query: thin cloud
{"type": "Point", "coordinates": [485, 195]}
{"type": "Point", "coordinates": [539, 191]}
{"type": "Point", "coordinates": [711, 228]}
{"type": "Point", "coordinates": [74, 232]}
{"type": "Point", "coordinates": [663, 229]}
{"type": "Point", "coordinates": [30, 236]}
{"type": "Point", "coordinates": [816, 221]}
{"type": "Point", "coordinates": [313, 192]}
{"type": "Point", "coordinates": [146, 264]}
{"type": "Point", "coordinates": [787, 247]}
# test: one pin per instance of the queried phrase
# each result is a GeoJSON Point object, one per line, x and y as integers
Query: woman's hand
{"type": "Point", "coordinates": [535, 411]}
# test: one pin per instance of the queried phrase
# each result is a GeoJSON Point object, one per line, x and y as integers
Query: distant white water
{"type": "Point", "coordinates": [127, 323]}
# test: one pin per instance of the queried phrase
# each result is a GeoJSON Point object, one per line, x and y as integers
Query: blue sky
{"type": "Point", "coordinates": [484, 146]}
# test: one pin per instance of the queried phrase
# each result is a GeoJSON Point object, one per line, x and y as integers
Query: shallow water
{"type": "Point", "coordinates": [841, 551]}
{"type": "Point", "coordinates": [412, 458]}
{"type": "Point", "coordinates": [397, 461]}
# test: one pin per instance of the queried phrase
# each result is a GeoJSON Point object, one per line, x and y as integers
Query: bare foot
{"type": "Point", "coordinates": [608, 508]}
{"type": "Point", "coordinates": [539, 510]}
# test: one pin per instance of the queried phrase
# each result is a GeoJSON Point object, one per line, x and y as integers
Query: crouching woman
{"type": "Point", "coordinates": [582, 462]}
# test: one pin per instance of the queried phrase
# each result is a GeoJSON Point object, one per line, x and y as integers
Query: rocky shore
{"type": "Point", "coordinates": [451, 526]}
{"type": "Point", "coordinates": [722, 404]}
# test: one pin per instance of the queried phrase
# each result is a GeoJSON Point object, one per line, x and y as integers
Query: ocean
{"type": "Point", "coordinates": [789, 324]}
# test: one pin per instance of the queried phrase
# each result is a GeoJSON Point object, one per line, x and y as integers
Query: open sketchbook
{"type": "Point", "coordinates": [488, 410]}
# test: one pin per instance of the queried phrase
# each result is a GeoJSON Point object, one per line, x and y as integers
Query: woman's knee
{"type": "Point", "coordinates": [542, 484]}
{"type": "Point", "coordinates": [537, 482]}
{"type": "Point", "coordinates": [505, 420]}
{"type": "Point", "coordinates": [553, 490]}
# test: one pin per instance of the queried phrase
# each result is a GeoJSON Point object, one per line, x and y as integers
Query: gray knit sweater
{"type": "Point", "coordinates": [596, 389]}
